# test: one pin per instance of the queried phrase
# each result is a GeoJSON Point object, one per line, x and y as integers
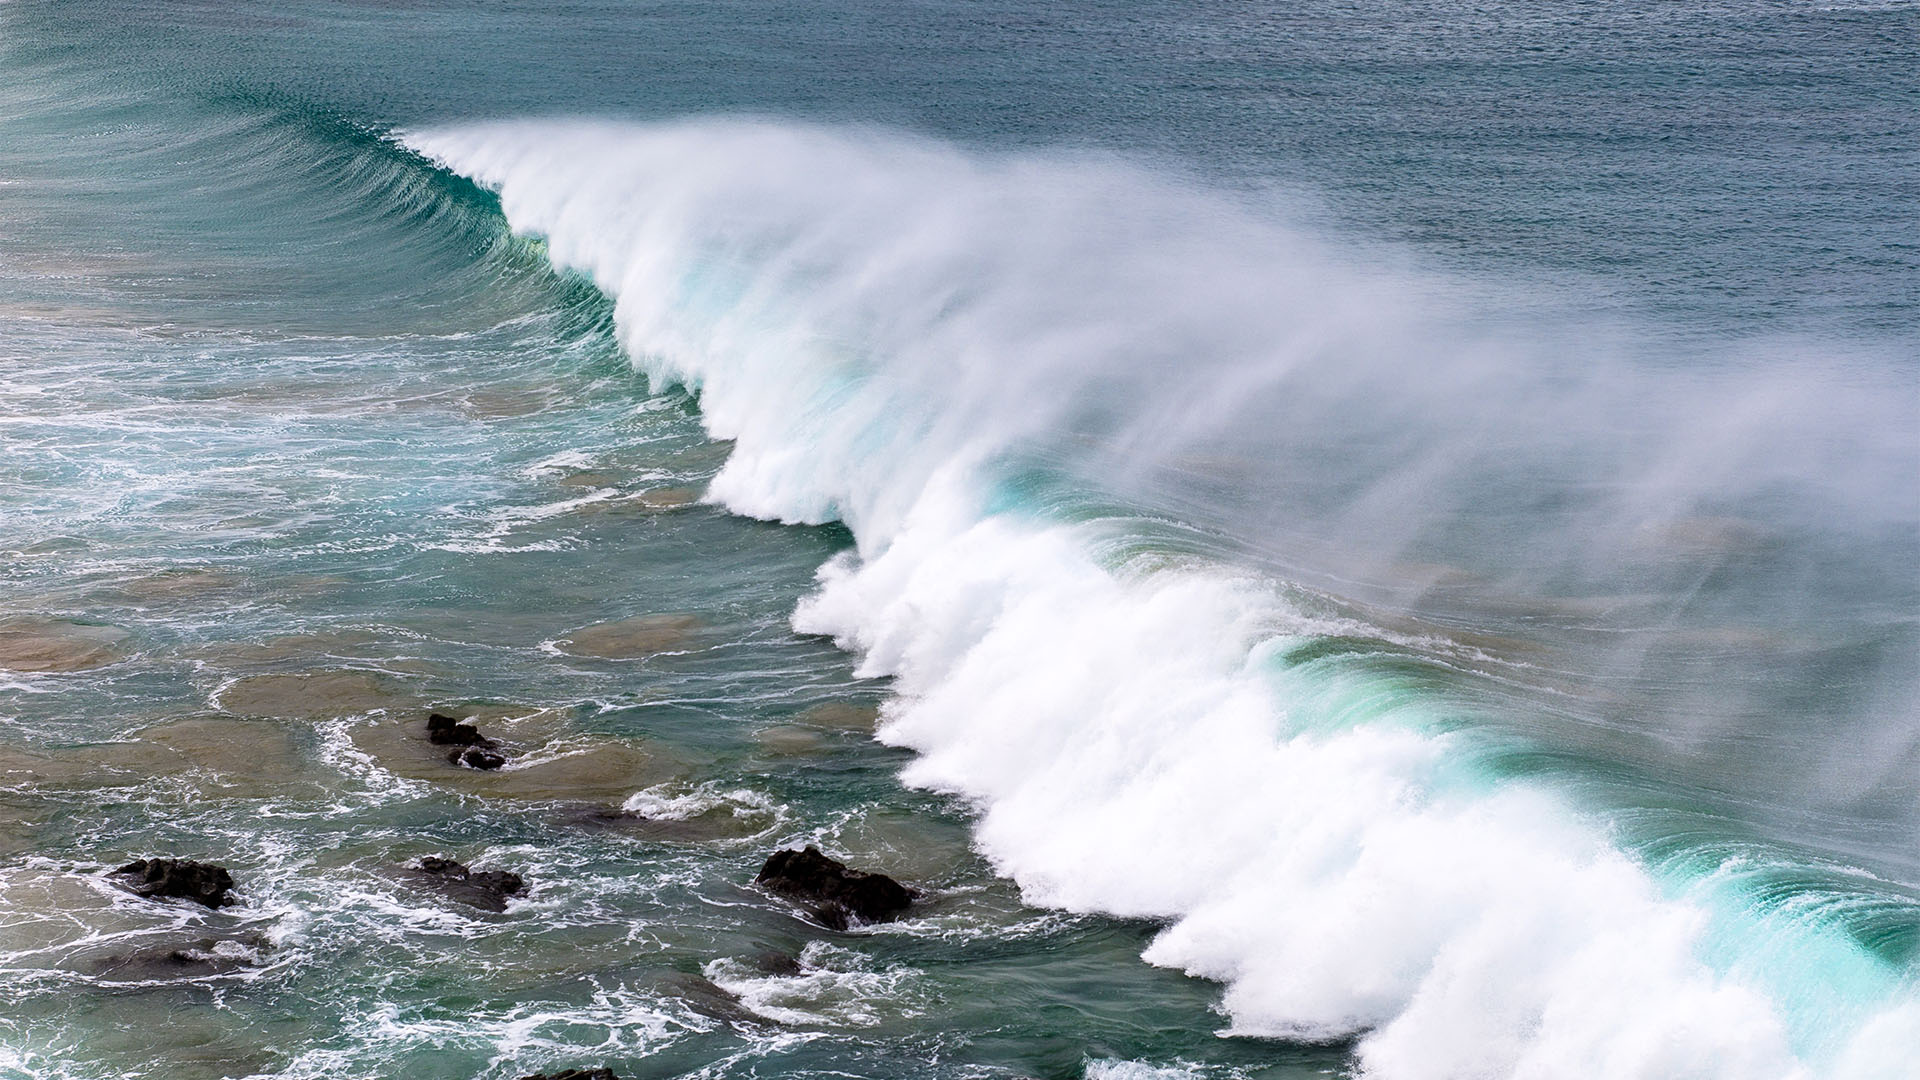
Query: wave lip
{"type": "Point", "coordinates": [852, 307]}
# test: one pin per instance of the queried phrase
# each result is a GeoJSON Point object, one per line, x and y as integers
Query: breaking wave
{"type": "Point", "coordinates": [1156, 694]}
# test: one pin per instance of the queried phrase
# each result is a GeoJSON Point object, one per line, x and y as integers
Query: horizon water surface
{"type": "Point", "coordinates": [1401, 517]}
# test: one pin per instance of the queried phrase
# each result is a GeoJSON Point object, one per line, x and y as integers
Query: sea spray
{"type": "Point", "coordinates": [881, 324]}
{"type": "Point", "coordinates": [1129, 758]}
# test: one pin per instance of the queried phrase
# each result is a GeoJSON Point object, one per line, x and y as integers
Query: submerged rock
{"type": "Point", "coordinates": [702, 828]}
{"type": "Point", "coordinates": [861, 716]}
{"type": "Point", "coordinates": [631, 639]}
{"type": "Point", "coordinates": [777, 963]}
{"type": "Point", "coordinates": [680, 815]}
{"type": "Point", "coordinates": [575, 1074]}
{"type": "Point", "coordinates": [211, 956]}
{"type": "Point", "coordinates": [708, 998]}
{"type": "Point", "coordinates": [484, 889]}
{"type": "Point", "coordinates": [312, 695]}
{"type": "Point", "coordinates": [212, 756]}
{"type": "Point", "coordinates": [791, 740]}
{"type": "Point", "coordinates": [183, 878]}
{"type": "Point", "coordinates": [835, 894]}
{"type": "Point", "coordinates": [43, 644]}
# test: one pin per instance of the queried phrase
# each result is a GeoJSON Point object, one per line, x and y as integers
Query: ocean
{"type": "Point", "coordinates": [1343, 538]}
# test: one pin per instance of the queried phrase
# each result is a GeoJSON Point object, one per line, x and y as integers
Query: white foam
{"type": "Point", "coordinates": [1129, 758]}
{"type": "Point", "coordinates": [832, 987]}
{"type": "Point", "coordinates": [1138, 1070]}
{"type": "Point", "coordinates": [676, 802]}
{"type": "Point", "coordinates": [616, 1021]}
{"type": "Point", "coordinates": [868, 317]}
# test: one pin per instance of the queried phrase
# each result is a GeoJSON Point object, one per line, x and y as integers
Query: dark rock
{"type": "Point", "coordinates": [479, 751]}
{"type": "Point", "coordinates": [611, 819]}
{"type": "Point", "coordinates": [601, 817]}
{"type": "Point", "coordinates": [574, 1074]}
{"type": "Point", "coordinates": [484, 889]}
{"type": "Point", "coordinates": [447, 731]}
{"type": "Point", "coordinates": [776, 963]}
{"type": "Point", "coordinates": [835, 894]}
{"type": "Point", "coordinates": [474, 757]}
{"type": "Point", "coordinates": [183, 878]}
{"type": "Point", "coordinates": [709, 999]}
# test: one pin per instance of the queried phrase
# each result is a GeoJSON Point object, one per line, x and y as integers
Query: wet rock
{"type": "Point", "coordinates": [443, 730]}
{"type": "Point", "coordinates": [473, 757]}
{"type": "Point", "coordinates": [487, 890]}
{"type": "Point", "coordinates": [835, 894]}
{"type": "Point", "coordinates": [183, 878]}
{"type": "Point", "coordinates": [480, 751]}
{"type": "Point", "coordinates": [777, 963]}
{"type": "Point", "coordinates": [708, 998]}
{"type": "Point", "coordinates": [575, 1074]}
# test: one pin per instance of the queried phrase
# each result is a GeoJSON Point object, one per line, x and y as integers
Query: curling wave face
{"type": "Point", "coordinates": [965, 359]}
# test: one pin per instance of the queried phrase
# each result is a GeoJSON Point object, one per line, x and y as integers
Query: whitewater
{"type": "Point", "coordinates": [931, 345]}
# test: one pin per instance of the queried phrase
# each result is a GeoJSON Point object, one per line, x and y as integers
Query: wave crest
{"type": "Point", "coordinates": [892, 329]}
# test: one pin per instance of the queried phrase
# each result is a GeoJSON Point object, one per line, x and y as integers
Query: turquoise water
{"type": "Point", "coordinates": [1400, 516]}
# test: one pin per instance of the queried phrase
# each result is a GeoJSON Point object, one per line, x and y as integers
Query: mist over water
{"type": "Point", "coordinates": [1353, 425]}
{"type": "Point", "coordinates": [1005, 373]}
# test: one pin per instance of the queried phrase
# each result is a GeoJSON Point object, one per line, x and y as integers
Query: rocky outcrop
{"type": "Point", "coordinates": [474, 757]}
{"type": "Point", "coordinates": [443, 730]}
{"type": "Point", "coordinates": [183, 878]}
{"type": "Point", "coordinates": [487, 890]}
{"type": "Point", "coordinates": [833, 893]}
{"type": "Point", "coordinates": [707, 998]}
{"type": "Point", "coordinates": [475, 751]}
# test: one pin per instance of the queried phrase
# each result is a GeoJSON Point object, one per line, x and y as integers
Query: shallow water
{"type": "Point", "coordinates": [266, 710]}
